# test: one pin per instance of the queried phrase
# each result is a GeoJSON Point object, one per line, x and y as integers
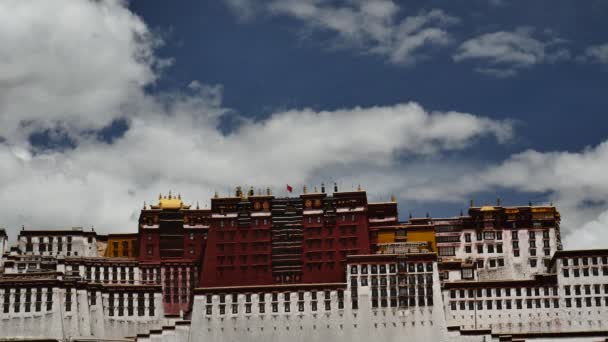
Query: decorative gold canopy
{"type": "Point", "coordinates": [170, 202]}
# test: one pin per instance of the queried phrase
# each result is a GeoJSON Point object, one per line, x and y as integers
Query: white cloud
{"type": "Point", "coordinates": [504, 53]}
{"type": "Point", "coordinates": [596, 53]}
{"type": "Point", "coordinates": [576, 182]}
{"type": "Point", "coordinates": [372, 26]}
{"type": "Point", "coordinates": [74, 68]}
{"type": "Point", "coordinates": [88, 65]}
{"type": "Point", "coordinates": [173, 140]}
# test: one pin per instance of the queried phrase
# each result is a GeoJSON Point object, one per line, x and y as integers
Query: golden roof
{"type": "Point", "coordinates": [170, 202]}
{"type": "Point", "coordinates": [487, 208]}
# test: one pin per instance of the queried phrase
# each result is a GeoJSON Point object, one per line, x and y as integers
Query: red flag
{"type": "Point", "coordinates": [289, 188]}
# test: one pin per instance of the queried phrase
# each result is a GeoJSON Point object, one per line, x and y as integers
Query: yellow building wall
{"type": "Point", "coordinates": [121, 248]}
{"type": "Point", "coordinates": [386, 237]}
{"type": "Point", "coordinates": [423, 236]}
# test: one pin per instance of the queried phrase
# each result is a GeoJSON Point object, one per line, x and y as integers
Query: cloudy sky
{"type": "Point", "coordinates": [104, 104]}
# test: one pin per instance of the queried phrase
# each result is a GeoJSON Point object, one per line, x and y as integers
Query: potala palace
{"type": "Point", "coordinates": [321, 266]}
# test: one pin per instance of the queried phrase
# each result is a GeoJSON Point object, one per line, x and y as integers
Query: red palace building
{"type": "Point", "coordinates": [255, 239]}
{"type": "Point", "coordinates": [171, 241]}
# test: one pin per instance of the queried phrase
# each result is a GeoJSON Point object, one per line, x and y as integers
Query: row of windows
{"type": "Point", "coordinates": [497, 235]}
{"type": "Point", "coordinates": [27, 299]}
{"type": "Point", "coordinates": [391, 268]}
{"type": "Point", "coordinates": [585, 261]}
{"type": "Point", "coordinates": [410, 291]}
{"type": "Point", "coordinates": [149, 275]}
{"type": "Point", "coordinates": [492, 263]}
{"type": "Point", "coordinates": [95, 274]}
{"type": "Point", "coordinates": [480, 236]}
{"type": "Point", "coordinates": [125, 248]}
{"type": "Point", "coordinates": [51, 239]}
{"type": "Point", "coordinates": [504, 304]}
{"type": "Point", "coordinates": [286, 296]}
{"type": "Point", "coordinates": [489, 248]}
{"type": "Point", "coordinates": [392, 280]}
{"type": "Point", "coordinates": [403, 302]}
{"type": "Point", "coordinates": [576, 272]}
{"type": "Point", "coordinates": [587, 288]}
{"type": "Point", "coordinates": [499, 292]}
{"type": "Point", "coordinates": [261, 307]}
{"type": "Point", "coordinates": [589, 301]}
{"type": "Point", "coordinates": [122, 305]}
{"type": "Point", "coordinates": [43, 248]}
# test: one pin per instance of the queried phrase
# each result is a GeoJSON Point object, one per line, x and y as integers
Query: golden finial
{"type": "Point", "coordinates": [359, 187]}
{"type": "Point", "coordinates": [160, 196]}
{"type": "Point", "coordinates": [305, 189]}
{"type": "Point", "coordinates": [259, 192]}
{"type": "Point", "coordinates": [169, 194]}
{"type": "Point", "coordinates": [268, 192]}
{"type": "Point", "coordinates": [216, 195]}
{"type": "Point", "coordinates": [471, 203]}
{"type": "Point", "coordinates": [498, 202]}
{"type": "Point", "coordinates": [197, 207]}
{"type": "Point", "coordinates": [393, 198]}
{"type": "Point", "coordinates": [144, 205]}
{"type": "Point", "coordinates": [179, 196]}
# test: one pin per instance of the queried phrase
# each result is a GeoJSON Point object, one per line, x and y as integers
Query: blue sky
{"type": "Point", "coordinates": [110, 102]}
{"type": "Point", "coordinates": [269, 63]}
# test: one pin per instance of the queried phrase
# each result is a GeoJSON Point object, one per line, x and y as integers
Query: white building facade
{"type": "Point", "coordinates": [53, 308]}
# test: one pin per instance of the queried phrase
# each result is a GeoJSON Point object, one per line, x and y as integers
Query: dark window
{"type": "Point", "coordinates": [38, 300]}
{"type": "Point", "coordinates": [68, 299]}
{"type": "Point", "coordinates": [49, 299]}
{"type": "Point", "coordinates": [151, 308]}
{"type": "Point", "coordinates": [111, 304]}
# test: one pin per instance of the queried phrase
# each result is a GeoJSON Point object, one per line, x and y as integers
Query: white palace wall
{"type": "Point", "coordinates": [74, 313]}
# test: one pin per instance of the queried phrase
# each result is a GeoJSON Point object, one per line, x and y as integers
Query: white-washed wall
{"type": "Point", "coordinates": [54, 245]}
{"type": "Point", "coordinates": [82, 316]}
{"type": "Point", "coordinates": [504, 253]}
{"type": "Point", "coordinates": [419, 323]}
{"type": "Point", "coordinates": [573, 303]}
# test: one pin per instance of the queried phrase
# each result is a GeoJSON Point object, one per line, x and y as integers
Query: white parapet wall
{"type": "Point", "coordinates": [45, 308]}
